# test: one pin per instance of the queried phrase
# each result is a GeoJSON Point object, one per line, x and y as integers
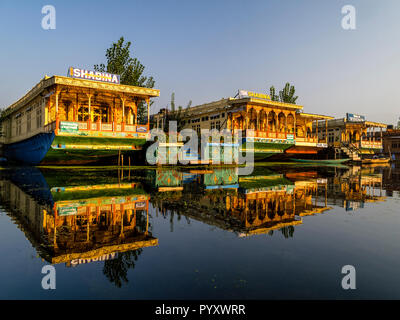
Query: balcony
{"type": "Point", "coordinates": [367, 144]}
{"type": "Point", "coordinates": [88, 126]}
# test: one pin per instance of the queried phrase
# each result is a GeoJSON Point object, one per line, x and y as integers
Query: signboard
{"type": "Point", "coordinates": [354, 117]}
{"type": "Point", "coordinates": [141, 129]}
{"type": "Point", "coordinates": [71, 127]}
{"type": "Point", "coordinates": [79, 73]}
{"type": "Point", "coordinates": [249, 94]}
{"type": "Point", "coordinates": [322, 145]}
{"type": "Point", "coordinates": [290, 137]}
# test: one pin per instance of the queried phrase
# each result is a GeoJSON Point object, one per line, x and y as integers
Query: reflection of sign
{"type": "Point", "coordinates": [140, 205]}
{"type": "Point", "coordinates": [104, 257]}
{"type": "Point", "coordinates": [250, 94]}
{"type": "Point", "coordinates": [141, 129]}
{"type": "Point", "coordinates": [290, 137]}
{"type": "Point", "coordinates": [93, 75]}
{"type": "Point", "coordinates": [67, 211]}
{"type": "Point", "coordinates": [354, 117]}
{"type": "Point", "coordinates": [69, 126]}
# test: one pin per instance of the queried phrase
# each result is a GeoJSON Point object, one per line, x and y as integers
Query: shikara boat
{"type": "Point", "coordinates": [328, 161]}
{"type": "Point", "coordinates": [376, 161]}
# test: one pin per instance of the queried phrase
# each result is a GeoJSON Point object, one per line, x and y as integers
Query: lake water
{"type": "Point", "coordinates": [284, 232]}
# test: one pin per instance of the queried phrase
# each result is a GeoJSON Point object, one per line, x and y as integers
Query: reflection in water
{"type": "Point", "coordinates": [78, 223]}
{"type": "Point", "coordinates": [263, 202]}
{"type": "Point", "coordinates": [95, 216]}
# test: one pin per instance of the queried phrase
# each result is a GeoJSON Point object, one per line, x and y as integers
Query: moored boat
{"type": "Point", "coordinates": [67, 120]}
{"type": "Point", "coordinates": [328, 161]}
{"type": "Point", "coordinates": [376, 161]}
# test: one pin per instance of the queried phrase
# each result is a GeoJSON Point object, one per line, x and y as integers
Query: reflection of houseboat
{"type": "Point", "coordinates": [76, 224]}
{"type": "Point", "coordinates": [268, 127]}
{"type": "Point", "coordinates": [355, 187]}
{"type": "Point", "coordinates": [253, 205]}
{"type": "Point", "coordinates": [75, 120]}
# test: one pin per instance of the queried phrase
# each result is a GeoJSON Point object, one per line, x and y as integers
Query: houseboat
{"type": "Point", "coordinates": [353, 137]}
{"type": "Point", "coordinates": [268, 128]}
{"type": "Point", "coordinates": [77, 119]}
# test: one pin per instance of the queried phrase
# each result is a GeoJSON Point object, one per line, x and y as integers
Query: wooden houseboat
{"type": "Point", "coordinates": [75, 120]}
{"type": "Point", "coordinates": [353, 137]}
{"type": "Point", "coordinates": [270, 127]}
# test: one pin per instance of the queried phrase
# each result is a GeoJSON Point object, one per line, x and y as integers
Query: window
{"type": "Point", "coordinates": [100, 113]}
{"type": "Point", "coordinates": [217, 125]}
{"type": "Point", "coordinates": [83, 114]}
{"type": "Point", "coordinates": [19, 127]}
{"type": "Point", "coordinates": [28, 121]}
{"type": "Point", "coordinates": [39, 117]}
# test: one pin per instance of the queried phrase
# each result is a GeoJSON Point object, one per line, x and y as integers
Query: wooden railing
{"type": "Point", "coordinates": [101, 126]}
{"type": "Point", "coordinates": [371, 144]}
{"type": "Point", "coordinates": [308, 139]}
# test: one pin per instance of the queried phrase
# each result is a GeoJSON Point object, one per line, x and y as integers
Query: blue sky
{"type": "Point", "coordinates": [206, 50]}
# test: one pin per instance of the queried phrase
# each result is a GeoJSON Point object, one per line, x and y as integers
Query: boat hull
{"type": "Point", "coordinates": [49, 149]}
{"type": "Point", "coordinates": [375, 161]}
{"type": "Point", "coordinates": [30, 151]}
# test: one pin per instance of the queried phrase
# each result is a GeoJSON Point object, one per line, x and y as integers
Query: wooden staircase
{"type": "Point", "coordinates": [351, 151]}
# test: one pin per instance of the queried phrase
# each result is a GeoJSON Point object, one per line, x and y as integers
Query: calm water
{"type": "Point", "coordinates": [283, 232]}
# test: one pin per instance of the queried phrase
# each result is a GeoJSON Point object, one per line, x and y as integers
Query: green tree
{"type": "Point", "coordinates": [119, 61]}
{"type": "Point", "coordinates": [177, 113]}
{"type": "Point", "coordinates": [285, 95]}
{"type": "Point", "coordinates": [274, 97]}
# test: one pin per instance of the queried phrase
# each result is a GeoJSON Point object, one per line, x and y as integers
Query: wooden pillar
{"type": "Point", "coordinates": [113, 115]}
{"type": "Point", "coordinates": [76, 107]}
{"type": "Point", "coordinates": [294, 125]}
{"type": "Point", "coordinates": [123, 114]}
{"type": "Point", "coordinates": [90, 112]}
{"type": "Point", "coordinates": [316, 129]}
{"type": "Point", "coordinates": [326, 131]}
{"type": "Point", "coordinates": [57, 116]}
{"type": "Point", "coordinates": [285, 123]}
{"type": "Point", "coordinates": [148, 112]}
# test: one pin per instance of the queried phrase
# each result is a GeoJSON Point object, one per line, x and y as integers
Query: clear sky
{"type": "Point", "coordinates": [206, 50]}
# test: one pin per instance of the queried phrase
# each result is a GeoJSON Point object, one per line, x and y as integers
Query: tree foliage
{"type": "Point", "coordinates": [176, 114]}
{"type": "Point", "coordinates": [119, 61]}
{"type": "Point", "coordinates": [287, 94]}
{"type": "Point", "coordinates": [274, 97]}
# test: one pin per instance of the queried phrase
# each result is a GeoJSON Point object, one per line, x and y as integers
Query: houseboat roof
{"type": "Point", "coordinates": [316, 116]}
{"type": "Point", "coordinates": [264, 102]}
{"type": "Point", "coordinates": [343, 121]}
{"type": "Point", "coordinates": [225, 103]}
{"type": "Point", "coordinates": [375, 124]}
{"type": "Point", "coordinates": [47, 82]}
